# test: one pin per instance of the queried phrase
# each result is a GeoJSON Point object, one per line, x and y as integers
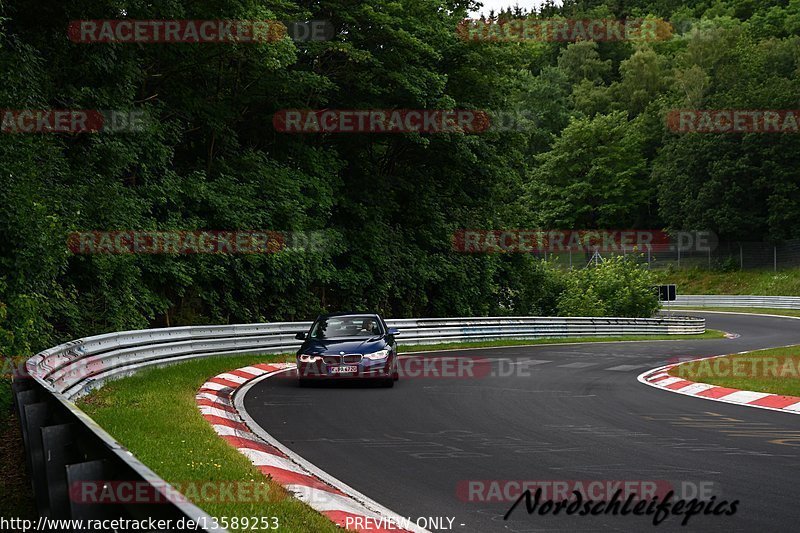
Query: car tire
{"type": "Point", "coordinates": [387, 383]}
{"type": "Point", "coordinates": [302, 383]}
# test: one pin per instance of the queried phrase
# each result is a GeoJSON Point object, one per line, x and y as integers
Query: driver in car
{"type": "Point", "coordinates": [368, 326]}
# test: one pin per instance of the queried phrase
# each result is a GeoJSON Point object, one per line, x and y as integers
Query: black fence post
{"type": "Point", "coordinates": [36, 417]}
{"type": "Point", "coordinates": [60, 449]}
{"type": "Point", "coordinates": [80, 474]}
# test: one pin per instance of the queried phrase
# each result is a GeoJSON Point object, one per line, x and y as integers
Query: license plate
{"type": "Point", "coordinates": [343, 369]}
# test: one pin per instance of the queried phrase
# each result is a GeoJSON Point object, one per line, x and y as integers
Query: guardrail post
{"type": "Point", "coordinates": [59, 446]}
{"type": "Point", "coordinates": [91, 471]}
{"type": "Point", "coordinates": [19, 385]}
{"type": "Point", "coordinates": [26, 397]}
{"type": "Point", "coordinates": [36, 416]}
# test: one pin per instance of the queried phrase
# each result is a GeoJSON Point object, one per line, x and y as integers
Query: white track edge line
{"type": "Point", "coordinates": [640, 379]}
{"type": "Point", "coordinates": [705, 310]}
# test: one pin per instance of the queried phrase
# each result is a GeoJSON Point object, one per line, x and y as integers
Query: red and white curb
{"type": "Point", "coordinates": [661, 379]}
{"type": "Point", "coordinates": [220, 404]}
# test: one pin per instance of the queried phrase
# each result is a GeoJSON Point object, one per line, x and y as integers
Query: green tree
{"type": "Point", "coordinates": [594, 177]}
{"type": "Point", "coordinates": [581, 61]}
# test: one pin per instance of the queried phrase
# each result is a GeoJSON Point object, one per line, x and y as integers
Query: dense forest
{"type": "Point", "coordinates": [594, 153]}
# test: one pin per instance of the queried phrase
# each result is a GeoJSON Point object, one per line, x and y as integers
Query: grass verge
{"type": "Point", "coordinates": [751, 310]}
{"type": "Point", "coordinates": [155, 416]}
{"type": "Point", "coordinates": [755, 282]}
{"type": "Point", "coordinates": [709, 334]}
{"type": "Point", "coordinates": [775, 370]}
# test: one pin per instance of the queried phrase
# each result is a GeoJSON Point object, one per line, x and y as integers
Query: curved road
{"type": "Point", "coordinates": [561, 412]}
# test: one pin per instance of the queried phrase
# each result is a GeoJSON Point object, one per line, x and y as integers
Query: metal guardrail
{"type": "Point", "coordinates": [65, 446]}
{"type": "Point", "coordinates": [767, 302]}
{"type": "Point", "coordinates": [76, 368]}
{"type": "Point", "coordinates": [434, 331]}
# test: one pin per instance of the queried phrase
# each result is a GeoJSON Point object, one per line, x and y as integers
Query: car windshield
{"type": "Point", "coordinates": [337, 327]}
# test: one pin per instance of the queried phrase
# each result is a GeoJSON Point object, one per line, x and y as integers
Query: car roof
{"type": "Point", "coordinates": [348, 313]}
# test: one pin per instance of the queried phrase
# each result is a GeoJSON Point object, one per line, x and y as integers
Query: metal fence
{"type": "Point", "coordinates": [767, 302]}
{"type": "Point", "coordinates": [734, 256]}
{"type": "Point", "coordinates": [726, 255]}
{"type": "Point", "coordinates": [65, 446]}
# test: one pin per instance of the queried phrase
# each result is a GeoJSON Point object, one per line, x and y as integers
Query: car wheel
{"type": "Point", "coordinates": [387, 383]}
{"type": "Point", "coordinates": [303, 383]}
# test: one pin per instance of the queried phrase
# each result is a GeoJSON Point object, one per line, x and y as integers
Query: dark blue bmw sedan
{"type": "Point", "coordinates": [348, 346]}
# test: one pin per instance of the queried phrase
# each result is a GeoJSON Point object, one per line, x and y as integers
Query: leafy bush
{"type": "Point", "coordinates": [533, 289]}
{"type": "Point", "coordinates": [616, 287]}
{"type": "Point", "coordinates": [730, 264]}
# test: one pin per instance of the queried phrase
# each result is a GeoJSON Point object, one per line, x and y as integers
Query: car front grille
{"type": "Point", "coordinates": [349, 359]}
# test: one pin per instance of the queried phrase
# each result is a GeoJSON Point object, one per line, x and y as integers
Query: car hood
{"type": "Point", "coordinates": [334, 346]}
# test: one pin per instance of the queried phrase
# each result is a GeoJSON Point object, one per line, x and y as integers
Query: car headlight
{"type": "Point", "coordinates": [377, 356]}
{"type": "Point", "coordinates": [308, 358]}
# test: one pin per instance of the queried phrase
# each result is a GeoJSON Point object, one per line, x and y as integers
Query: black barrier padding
{"type": "Point", "coordinates": [36, 416]}
{"type": "Point", "coordinates": [60, 450]}
{"type": "Point", "coordinates": [89, 471]}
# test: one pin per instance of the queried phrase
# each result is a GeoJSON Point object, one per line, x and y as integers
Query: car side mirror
{"type": "Point", "coordinates": [394, 332]}
{"type": "Point", "coordinates": [301, 336]}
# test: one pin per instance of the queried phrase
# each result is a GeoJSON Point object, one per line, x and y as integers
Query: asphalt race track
{"type": "Point", "coordinates": [573, 412]}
